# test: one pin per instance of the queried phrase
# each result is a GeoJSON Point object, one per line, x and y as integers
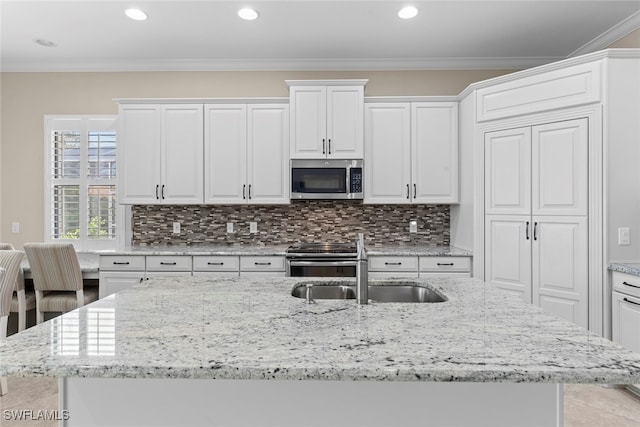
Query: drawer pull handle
{"type": "Point", "coordinates": [392, 263]}
{"type": "Point", "coordinates": [141, 279]}
{"type": "Point", "coordinates": [445, 263]}
{"type": "Point", "coordinates": [629, 284]}
{"type": "Point", "coordinates": [630, 302]}
{"type": "Point", "coordinates": [120, 263]}
{"type": "Point", "coordinates": [215, 263]}
{"type": "Point", "coordinates": [262, 263]}
{"type": "Point", "coordinates": [167, 263]}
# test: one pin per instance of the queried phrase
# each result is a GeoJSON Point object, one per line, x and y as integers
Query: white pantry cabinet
{"type": "Point", "coordinates": [246, 153]}
{"type": "Point", "coordinates": [411, 152]}
{"type": "Point", "coordinates": [327, 119]}
{"type": "Point", "coordinates": [160, 154]}
{"type": "Point", "coordinates": [536, 188]}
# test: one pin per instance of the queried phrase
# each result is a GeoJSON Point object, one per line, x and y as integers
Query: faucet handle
{"type": "Point", "coordinates": [309, 293]}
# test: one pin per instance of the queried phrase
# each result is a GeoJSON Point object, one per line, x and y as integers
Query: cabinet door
{"type": "Point", "coordinates": [225, 153]}
{"type": "Point", "coordinates": [139, 154]}
{"type": "Point", "coordinates": [345, 122]}
{"type": "Point", "coordinates": [560, 168]}
{"type": "Point", "coordinates": [182, 154]}
{"type": "Point", "coordinates": [508, 253]}
{"type": "Point", "coordinates": [387, 159]}
{"type": "Point", "coordinates": [267, 149]}
{"type": "Point", "coordinates": [626, 321]}
{"type": "Point", "coordinates": [434, 143]}
{"type": "Point", "coordinates": [308, 122]}
{"type": "Point", "coordinates": [115, 281]}
{"type": "Point", "coordinates": [508, 172]}
{"type": "Point", "coordinates": [560, 273]}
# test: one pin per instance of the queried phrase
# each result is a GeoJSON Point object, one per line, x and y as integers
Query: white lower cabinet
{"type": "Point", "coordinates": [262, 266]}
{"type": "Point", "coordinates": [445, 266]}
{"type": "Point", "coordinates": [393, 266]}
{"type": "Point", "coordinates": [626, 321]}
{"type": "Point", "coordinates": [224, 265]}
{"type": "Point", "coordinates": [382, 266]}
{"type": "Point", "coordinates": [116, 281]}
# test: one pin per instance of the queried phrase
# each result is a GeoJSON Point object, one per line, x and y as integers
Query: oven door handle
{"type": "Point", "coordinates": [343, 263]}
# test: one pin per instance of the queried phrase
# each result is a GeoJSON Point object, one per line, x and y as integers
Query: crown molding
{"type": "Point", "coordinates": [614, 33]}
{"type": "Point", "coordinates": [363, 64]}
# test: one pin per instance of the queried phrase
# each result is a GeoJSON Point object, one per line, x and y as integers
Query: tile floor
{"type": "Point", "coordinates": [584, 405]}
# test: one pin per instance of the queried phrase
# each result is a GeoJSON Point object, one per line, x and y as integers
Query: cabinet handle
{"type": "Point", "coordinates": [414, 191]}
{"type": "Point", "coordinates": [167, 263]}
{"type": "Point", "coordinates": [329, 143]}
{"type": "Point", "coordinates": [244, 188]}
{"type": "Point", "coordinates": [527, 231]}
{"type": "Point", "coordinates": [120, 263]}
{"type": "Point", "coordinates": [407, 191]}
{"type": "Point", "coordinates": [629, 284]}
{"type": "Point", "coordinates": [162, 192]}
{"type": "Point", "coordinates": [249, 191]}
{"type": "Point", "coordinates": [535, 231]}
{"type": "Point", "coordinates": [392, 263]}
{"type": "Point", "coordinates": [323, 147]}
{"type": "Point", "coordinates": [262, 263]}
{"type": "Point", "coordinates": [630, 302]}
{"type": "Point", "coordinates": [141, 279]}
{"type": "Point", "coordinates": [157, 188]}
{"type": "Point", "coordinates": [215, 263]}
{"type": "Point", "coordinates": [445, 263]}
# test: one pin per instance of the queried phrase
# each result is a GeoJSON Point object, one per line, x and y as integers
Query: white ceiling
{"type": "Point", "coordinates": [306, 34]}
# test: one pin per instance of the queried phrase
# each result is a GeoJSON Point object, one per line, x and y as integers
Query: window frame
{"type": "Point", "coordinates": [82, 123]}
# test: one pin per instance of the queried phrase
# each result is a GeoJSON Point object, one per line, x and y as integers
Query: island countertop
{"type": "Point", "coordinates": [252, 328]}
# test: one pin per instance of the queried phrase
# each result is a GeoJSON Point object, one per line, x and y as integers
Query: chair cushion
{"type": "Point", "coordinates": [30, 300]}
{"type": "Point", "coordinates": [63, 301]}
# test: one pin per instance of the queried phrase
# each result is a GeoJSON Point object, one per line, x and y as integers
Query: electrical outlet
{"type": "Point", "coordinates": [413, 226]}
{"type": "Point", "coordinates": [253, 227]}
{"type": "Point", "coordinates": [624, 236]}
{"type": "Point", "coordinates": [176, 228]}
{"type": "Point", "coordinates": [15, 227]}
{"type": "Point", "coordinates": [229, 227]}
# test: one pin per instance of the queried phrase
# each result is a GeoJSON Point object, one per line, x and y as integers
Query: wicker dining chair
{"type": "Point", "coordinates": [57, 278]}
{"type": "Point", "coordinates": [22, 300]}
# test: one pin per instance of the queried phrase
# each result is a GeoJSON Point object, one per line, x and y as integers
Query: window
{"type": "Point", "coordinates": [80, 195]}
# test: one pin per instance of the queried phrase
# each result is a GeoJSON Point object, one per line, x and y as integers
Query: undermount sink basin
{"type": "Point", "coordinates": [380, 291]}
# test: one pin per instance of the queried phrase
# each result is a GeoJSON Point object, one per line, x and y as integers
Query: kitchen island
{"type": "Point", "coordinates": [148, 355]}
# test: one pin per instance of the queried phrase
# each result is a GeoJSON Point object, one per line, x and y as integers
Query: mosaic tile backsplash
{"type": "Point", "coordinates": [301, 221]}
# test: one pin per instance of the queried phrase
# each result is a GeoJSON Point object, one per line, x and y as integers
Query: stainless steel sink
{"type": "Point", "coordinates": [379, 291]}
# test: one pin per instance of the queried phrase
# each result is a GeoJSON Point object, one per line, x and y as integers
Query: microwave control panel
{"type": "Point", "coordinates": [355, 178]}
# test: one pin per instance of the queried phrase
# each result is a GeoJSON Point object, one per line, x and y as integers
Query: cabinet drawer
{"type": "Point", "coordinates": [445, 264]}
{"type": "Point", "coordinates": [393, 263]}
{"type": "Point", "coordinates": [122, 262]}
{"type": "Point", "coordinates": [216, 263]}
{"type": "Point", "coordinates": [168, 263]}
{"type": "Point", "coordinates": [262, 263]}
{"type": "Point", "coordinates": [626, 283]}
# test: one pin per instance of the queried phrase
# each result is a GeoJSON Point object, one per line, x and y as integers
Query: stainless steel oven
{"type": "Point", "coordinates": [326, 179]}
{"type": "Point", "coordinates": [321, 260]}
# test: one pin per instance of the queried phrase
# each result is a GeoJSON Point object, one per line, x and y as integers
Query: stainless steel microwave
{"type": "Point", "coordinates": [326, 179]}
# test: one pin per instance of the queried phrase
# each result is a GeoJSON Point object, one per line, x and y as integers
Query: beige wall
{"type": "Point", "coordinates": [630, 40]}
{"type": "Point", "coordinates": [27, 97]}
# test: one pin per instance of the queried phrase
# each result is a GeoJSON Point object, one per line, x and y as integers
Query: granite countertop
{"type": "Point", "coordinates": [409, 249]}
{"type": "Point", "coordinates": [629, 268]}
{"type": "Point", "coordinates": [252, 328]}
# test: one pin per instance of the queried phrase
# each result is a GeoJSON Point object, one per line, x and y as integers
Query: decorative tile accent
{"type": "Point", "coordinates": [301, 221]}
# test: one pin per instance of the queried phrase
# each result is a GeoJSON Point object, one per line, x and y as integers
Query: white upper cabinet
{"type": "Point", "coordinates": [411, 152]}
{"type": "Point", "coordinates": [327, 120]}
{"type": "Point", "coordinates": [508, 172]}
{"type": "Point", "coordinates": [246, 149]}
{"type": "Point", "coordinates": [560, 162]}
{"type": "Point", "coordinates": [387, 159]}
{"type": "Point", "coordinates": [160, 154]}
{"type": "Point", "coordinates": [225, 151]}
{"type": "Point", "coordinates": [434, 158]}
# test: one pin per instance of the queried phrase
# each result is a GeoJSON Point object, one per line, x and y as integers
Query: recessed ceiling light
{"type": "Point", "coordinates": [136, 14]}
{"type": "Point", "coordinates": [45, 43]}
{"type": "Point", "coordinates": [408, 12]}
{"type": "Point", "coordinates": [248, 14]}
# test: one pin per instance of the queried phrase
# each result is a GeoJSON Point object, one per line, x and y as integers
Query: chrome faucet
{"type": "Point", "coordinates": [362, 272]}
